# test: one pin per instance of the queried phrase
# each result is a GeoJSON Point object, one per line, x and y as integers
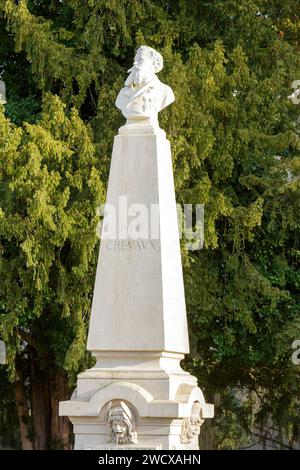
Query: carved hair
{"type": "Point", "coordinates": [156, 57]}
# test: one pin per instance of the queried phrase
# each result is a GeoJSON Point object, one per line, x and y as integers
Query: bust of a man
{"type": "Point", "coordinates": [144, 95]}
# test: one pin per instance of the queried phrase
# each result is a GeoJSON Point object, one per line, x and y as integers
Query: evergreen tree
{"type": "Point", "coordinates": [49, 193]}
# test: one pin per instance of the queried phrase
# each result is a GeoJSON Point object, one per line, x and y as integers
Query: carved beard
{"type": "Point", "coordinates": [138, 76]}
{"type": "Point", "coordinates": [121, 439]}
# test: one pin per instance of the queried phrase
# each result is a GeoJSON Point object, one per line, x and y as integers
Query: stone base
{"type": "Point", "coordinates": [165, 408]}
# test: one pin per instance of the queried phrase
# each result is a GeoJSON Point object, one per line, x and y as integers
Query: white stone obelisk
{"type": "Point", "coordinates": [137, 396]}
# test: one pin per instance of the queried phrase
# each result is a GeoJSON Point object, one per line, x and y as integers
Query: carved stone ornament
{"type": "Point", "coordinates": [144, 95]}
{"type": "Point", "coordinates": [121, 424]}
{"type": "Point", "coordinates": [191, 425]}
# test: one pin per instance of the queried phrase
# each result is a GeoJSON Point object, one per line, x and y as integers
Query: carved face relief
{"type": "Point", "coordinates": [191, 425]}
{"type": "Point", "coordinates": [119, 427]}
{"type": "Point", "coordinates": [195, 424]}
{"type": "Point", "coordinates": [121, 424]}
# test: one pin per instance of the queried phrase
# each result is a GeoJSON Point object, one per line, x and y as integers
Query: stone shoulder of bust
{"type": "Point", "coordinates": [144, 95]}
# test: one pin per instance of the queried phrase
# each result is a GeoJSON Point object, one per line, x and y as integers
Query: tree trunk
{"type": "Point", "coordinates": [38, 414]}
{"type": "Point", "coordinates": [207, 435]}
{"type": "Point", "coordinates": [40, 403]}
{"type": "Point", "coordinates": [61, 430]}
{"type": "Point", "coordinates": [23, 413]}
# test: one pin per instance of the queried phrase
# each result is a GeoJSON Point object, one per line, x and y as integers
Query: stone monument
{"type": "Point", "coordinates": [137, 396]}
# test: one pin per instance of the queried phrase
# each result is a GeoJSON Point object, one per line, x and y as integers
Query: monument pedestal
{"type": "Point", "coordinates": [137, 395]}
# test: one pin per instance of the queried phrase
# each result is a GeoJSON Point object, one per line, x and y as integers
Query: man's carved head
{"type": "Point", "coordinates": [120, 425]}
{"type": "Point", "coordinates": [147, 62]}
{"type": "Point", "coordinates": [145, 53]}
